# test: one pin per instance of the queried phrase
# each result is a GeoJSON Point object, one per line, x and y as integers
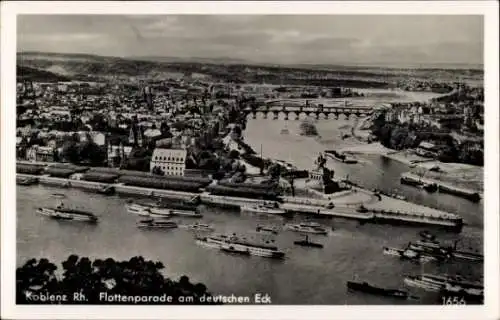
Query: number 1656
{"type": "Point", "coordinates": [453, 301]}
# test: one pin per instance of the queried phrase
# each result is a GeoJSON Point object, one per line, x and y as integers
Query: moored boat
{"type": "Point", "coordinates": [106, 190]}
{"type": "Point", "coordinates": [26, 181]}
{"type": "Point", "coordinates": [161, 224]}
{"type": "Point", "coordinates": [408, 254]}
{"type": "Point", "coordinates": [264, 208]}
{"type": "Point", "coordinates": [307, 227]}
{"type": "Point", "coordinates": [68, 214]}
{"type": "Point", "coordinates": [200, 227]}
{"type": "Point", "coordinates": [368, 288]}
{"type": "Point", "coordinates": [138, 209]}
{"type": "Point", "coordinates": [158, 209]}
{"type": "Point", "coordinates": [270, 229]}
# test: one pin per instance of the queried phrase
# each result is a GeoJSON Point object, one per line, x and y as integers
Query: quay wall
{"type": "Point", "coordinates": [292, 205]}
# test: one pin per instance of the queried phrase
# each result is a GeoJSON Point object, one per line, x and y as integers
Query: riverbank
{"type": "Point", "coordinates": [460, 175]}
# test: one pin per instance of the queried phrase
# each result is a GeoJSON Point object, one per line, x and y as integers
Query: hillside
{"type": "Point", "coordinates": [32, 74]}
{"type": "Point", "coordinates": [225, 69]}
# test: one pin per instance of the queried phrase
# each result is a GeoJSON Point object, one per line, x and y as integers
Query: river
{"type": "Point", "coordinates": [307, 276]}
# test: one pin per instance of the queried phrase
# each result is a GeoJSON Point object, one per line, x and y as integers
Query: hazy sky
{"type": "Point", "coordinates": [278, 39]}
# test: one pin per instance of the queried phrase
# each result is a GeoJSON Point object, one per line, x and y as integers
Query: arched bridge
{"type": "Point", "coordinates": [295, 108]}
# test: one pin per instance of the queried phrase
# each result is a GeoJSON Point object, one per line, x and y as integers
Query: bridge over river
{"type": "Point", "coordinates": [317, 108]}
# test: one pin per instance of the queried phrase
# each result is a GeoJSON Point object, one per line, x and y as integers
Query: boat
{"type": "Point", "coordinates": [229, 248]}
{"type": "Point", "coordinates": [106, 190]}
{"type": "Point", "coordinates": [434, 247]}
{"type": "Point", "coordinates": [464, 295]}
{"type": "Point", "coordinates": [200, 227]}
{"type": "Point", "coordinates": [307, 227]}
{"type": "Point", "coordinates": [307, 243]}
{"type": "Point", "coordinates": [284, 131]}
{"type": "Point", "coordinates": [408, 254]}
{"type": "Point", "coordinates": [368, 288]}
{"type": "Point", "coordinates": [271, 229]}
{"type": "Point", "coordinates": [427, 235]}
{"type": "Point", "coordinates": [436, 283]}
{"type": "Point", "coordinates": [68, 214]}
{"type": "Point", "coordinates": [418, 282]}
{"type": "Point", "coordinates": [159, 209]}
{"type": "Point", "coordinates": [26, 181]}
{"type": "Point", "coordinates": [470, 256]}
{"type": "Point", "coordinates": [241, 244]}
{"type": "Point", "coordinates": [455, 280]}
{"type": "Point", "coordinates": [267, 208]}
{"type": "Point", "coordinates": [447, 221]}
{"type": "Point", "coordinates": [138, 209]}
{"type": "Point", "coordinates": [430, 187]}
{"type": "Point", "coordinates": [152, 223]}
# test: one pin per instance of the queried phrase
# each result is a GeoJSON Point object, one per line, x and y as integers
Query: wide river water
{"type": "Point", "coordinates": [306, 276]}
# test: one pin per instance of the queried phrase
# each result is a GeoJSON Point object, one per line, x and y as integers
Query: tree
{"type": "Point", "coordinates": [70, 152]}
{"type": "Point", "coordinates": [135, 277]}
{"type": "Point", "coordinates": [274, 171]}
{"type": "Point", "coordinates": [234, 154]}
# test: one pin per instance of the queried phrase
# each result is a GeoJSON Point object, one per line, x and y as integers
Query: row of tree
{"type": "Point", "coordinates": [407, 136]}
{"type": "Point", "coordinates": [39, 279]}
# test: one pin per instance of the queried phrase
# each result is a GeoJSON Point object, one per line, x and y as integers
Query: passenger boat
{"type": "Point", "coordinates": [152, 223]}
{"type": "Point", "coordinates": [240, 244]}
{"type": "Point", "coordinates": [368, 288]}
{"type": "Point", "coordinates": [418, 282]}
{"type": "Point", "coordinates": [68, 214]}
{"type": "Point", "coordinates": [271, 229]}
{"type": "Point", "coordinates": [430, 282]}
{"type": "Point", "coordinates": [307, 243]}
{"type": "Point", "coordinates": [435, 248]}
{"type": "Point", "coordinates": [263, 208]}
{"type": "Point", "coordinates": [307, 227]}
{"type": "Point", "coordinates": [200, 227]}
{"type": "Point", "coordinates": [409, 254]}
{"type": "Point", "coordinates": [229, 248]}
{"type": "Point", "coordinates": [467, 295]}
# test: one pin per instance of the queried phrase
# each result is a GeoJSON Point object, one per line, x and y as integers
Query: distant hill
{"type": "Point", "coordinates": [81, 66]}
{"type": "Point", "coordinates": [32, 74]}
{"type": "Point", "coordinates": [222, 60]}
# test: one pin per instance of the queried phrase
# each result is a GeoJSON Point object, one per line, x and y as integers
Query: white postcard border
{"type": "Point", "coordinates": [491, 169]}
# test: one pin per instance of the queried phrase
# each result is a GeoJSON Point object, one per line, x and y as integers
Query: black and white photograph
{"type": "Point", "coordinates": [251, 159]}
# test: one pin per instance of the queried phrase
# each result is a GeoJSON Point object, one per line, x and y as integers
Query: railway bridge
{"type": "Point", "coordinates": [294, 108]}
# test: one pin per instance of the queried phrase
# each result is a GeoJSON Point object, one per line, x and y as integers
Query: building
{"type": "Point", "coordinates": [40, 153]}
{"type": "Point", "coordinates": [170, 161]}
{"type": "Point", "coordinates": [427, 149]}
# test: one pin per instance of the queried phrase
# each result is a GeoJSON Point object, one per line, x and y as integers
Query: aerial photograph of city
{"type": "Point", "coordinates": [250, 159]}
